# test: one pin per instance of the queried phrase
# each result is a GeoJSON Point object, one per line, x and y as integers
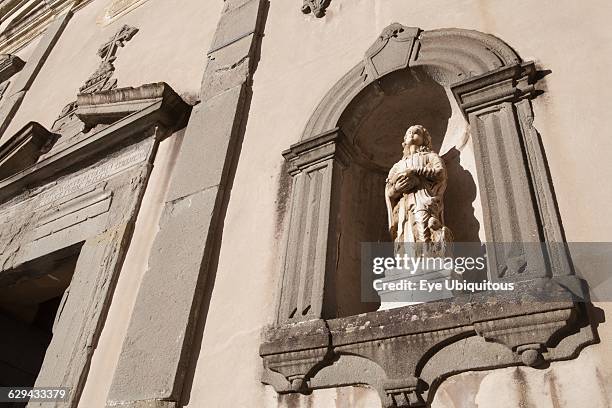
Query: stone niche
{"type": "Point", "coordinates": [473, 92]}
{"type": "Point", "coordinates": [68, 203]}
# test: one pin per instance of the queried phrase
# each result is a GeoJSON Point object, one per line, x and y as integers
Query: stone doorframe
{"type": "Point", "coordinates": [405, 353]}
{"type": "Point", "coordinates": [82, 194]}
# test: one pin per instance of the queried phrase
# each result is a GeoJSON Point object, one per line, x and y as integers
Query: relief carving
{"type": "Point", "coordinates": [316, 7]}
{"type": "Point", "coordinates": [102, 79]}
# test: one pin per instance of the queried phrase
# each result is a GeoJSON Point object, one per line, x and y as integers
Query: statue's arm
{"type": "Point", "coordinates": [436, 170]}
{"type": "Point", "coordinates": [391, 199]}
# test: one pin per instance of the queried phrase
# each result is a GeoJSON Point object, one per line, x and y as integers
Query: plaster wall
{"type": "Point", "coordinates": [301, 58]}
{"type": "Point", "coordinates": [170, 46]}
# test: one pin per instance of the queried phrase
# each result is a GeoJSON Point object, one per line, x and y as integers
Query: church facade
{"type": "Point", "coordinates": [190, 191]}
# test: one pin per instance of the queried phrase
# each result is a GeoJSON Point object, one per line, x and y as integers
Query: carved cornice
{"type": "Point", "coordinates": [24, 148]}
{"type": "Point", "coordinates": [329, 145]}
{"type": "Point", "coordinates": [316, 7]}
{"type": "Point", "coordinates": [159, 106]}
{"type": "Point", "coordinates": [510, 83]}
{"type": "Point", "coordinates": [9, 66]}
{"type": "Point", "coordinates": [109, 106]}
{"type": "Point", "coordinates": [525, 330]}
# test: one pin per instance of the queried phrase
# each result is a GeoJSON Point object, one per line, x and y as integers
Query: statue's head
{"type": "Point", "coordinates": [417, 135]}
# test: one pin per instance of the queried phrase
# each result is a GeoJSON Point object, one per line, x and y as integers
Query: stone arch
{"type": "Point", "coordinates": [492, 88]}
{"type": "Point", "coordinates": [455, 54]}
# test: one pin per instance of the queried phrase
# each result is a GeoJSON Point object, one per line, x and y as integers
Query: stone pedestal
{"type": "Point", "coordinates": [413, 287]}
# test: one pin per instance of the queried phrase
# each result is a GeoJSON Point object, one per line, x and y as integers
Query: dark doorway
{"type": "Point", "coordinates": [31, 299]}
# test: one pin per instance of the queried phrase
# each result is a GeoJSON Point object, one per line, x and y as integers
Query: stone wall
{"type": "Point", "coordinates": [300, 58]}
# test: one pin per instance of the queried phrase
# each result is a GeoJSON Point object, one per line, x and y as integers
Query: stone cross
{"type": "Point", "coordinates": [101, 79]}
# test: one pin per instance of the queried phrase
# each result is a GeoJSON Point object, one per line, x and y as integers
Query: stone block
{"type": "Point", "coordinates": [164, 308]}
{"type": "Point", "coordinates": [210, 134]}
{"type": "Point", "coordinates": [238, 21]}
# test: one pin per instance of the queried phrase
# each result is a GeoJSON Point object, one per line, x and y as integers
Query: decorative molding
{"type": "Point", "coordinates": [22, 82]}
{"type": "Point", "coordinates": [388, 54]}
{"type": "Point", "coordinates": [316, 7]}
{"type": "Point", "coordinates": [315, 165]}
{"type": "Point", "coordinates": [102, 78]}
{"type": "Point", "coordinates": [107, 107]}
{"type": "Point", "coordinates": [24, 148]}
{"type": "Point", "coordinates": [160, 106]}
{"type": "Point", "coordinates": [506, 84]}
{"type": "Point", "coordinates": [453, 54]}
{"type": "Point", "coordinates": [83, 197]}
{"type": "Point", "coordinates": [9, 66]}
{"type": "Point", "coordinates": [503, 332]}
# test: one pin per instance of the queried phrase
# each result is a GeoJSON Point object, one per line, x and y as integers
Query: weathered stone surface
{"type": "Point", "coordinates": [209, 139]}
{"type": "Point", "coordinates": [239, 19]}
{"type": "Point", "coordinates": [9, 66]}
{"type": "Point", "coordinates": [105, 232]}
{"type": "Point", "coordinates": [316, 7]}
{"type": "Point", "coordinates": [316, 165]}
{"type": "Point", "coordinates": [536, 322]}
{"type": "Point", "coordinates": [167, 112]}
{"type": "Point", "coordinates": [24, 148]}
{"type": "Point", "coordinates": [513, 331]}
{"type": "Point", "coordinates": [90, 211]}
{"type": "Point", "coordinates": [160, 331]}
{"type": "Point", "coordinates": [109, 106]}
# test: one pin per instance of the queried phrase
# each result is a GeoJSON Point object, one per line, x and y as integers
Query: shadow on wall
{"type": "Point", "coordinates": [460, 194]}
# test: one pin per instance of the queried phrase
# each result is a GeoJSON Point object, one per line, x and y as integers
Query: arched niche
{"type": "Point", "coordinates": [374, 123]}
{"type": "Point", "coordinates": [473, 92]}
{"type": "Point", "coordinates": [477, 95]}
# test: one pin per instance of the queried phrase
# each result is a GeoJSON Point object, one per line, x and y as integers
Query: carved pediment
{"type": "Point", "coordinates": [24, 148]}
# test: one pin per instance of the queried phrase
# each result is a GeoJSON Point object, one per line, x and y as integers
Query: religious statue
{"type": "Point", "coordinates": [414, 195]}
